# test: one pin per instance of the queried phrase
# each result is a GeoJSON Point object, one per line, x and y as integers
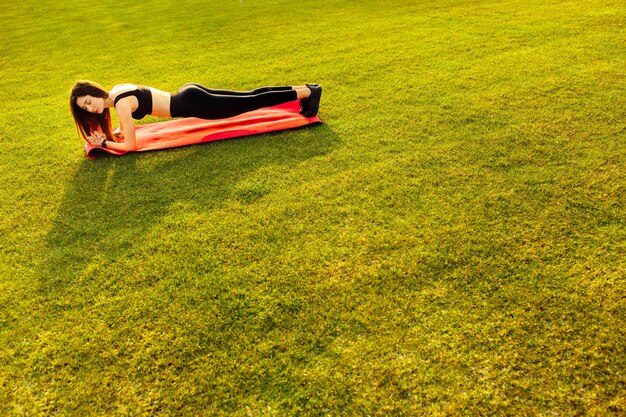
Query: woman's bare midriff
{"type": "Point", "coordinates": [160, 103]}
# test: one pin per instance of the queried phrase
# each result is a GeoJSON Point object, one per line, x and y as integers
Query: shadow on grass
{"type": "Point", "coordinates": [112, 202]}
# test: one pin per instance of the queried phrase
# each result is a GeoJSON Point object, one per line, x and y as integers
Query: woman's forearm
{"type": "Point", "coordinates": [118, 146]}
{"type": "Point", "coordinates": [129, 144]}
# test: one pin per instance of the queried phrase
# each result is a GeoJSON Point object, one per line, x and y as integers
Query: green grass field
{"type": "Point", "coordinates": [452, 241]}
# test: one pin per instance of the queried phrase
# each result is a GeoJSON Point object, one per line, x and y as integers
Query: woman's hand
{"type": "Point", "coordinates": [96, 138]}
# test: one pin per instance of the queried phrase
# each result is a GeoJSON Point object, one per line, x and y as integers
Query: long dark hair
{"type": "Point", "coordinates": [86, 122]}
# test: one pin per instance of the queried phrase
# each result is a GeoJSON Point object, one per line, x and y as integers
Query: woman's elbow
{"type": "Point", "coordinates": [130, 146]}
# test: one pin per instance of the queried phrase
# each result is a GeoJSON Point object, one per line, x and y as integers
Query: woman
{"type": "Point", "coordinates": [90, 104]}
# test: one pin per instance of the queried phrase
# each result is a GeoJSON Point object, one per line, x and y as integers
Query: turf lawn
{"type": "Point", "coordinates": [452, 241]}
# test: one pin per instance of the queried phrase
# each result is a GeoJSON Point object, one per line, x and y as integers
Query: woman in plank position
{"type": "Point", "coordinates": [90, 104]}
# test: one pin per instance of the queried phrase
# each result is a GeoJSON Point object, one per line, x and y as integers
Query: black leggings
{"type": "Point", "coordinates": [195, 100]}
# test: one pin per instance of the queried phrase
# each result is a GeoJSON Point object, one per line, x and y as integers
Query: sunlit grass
{"type": "Point", "coordinates": [450, 242]}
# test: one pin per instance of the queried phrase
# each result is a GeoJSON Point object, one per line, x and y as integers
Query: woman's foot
{"type": "Point", "coordinates": [310, 106]}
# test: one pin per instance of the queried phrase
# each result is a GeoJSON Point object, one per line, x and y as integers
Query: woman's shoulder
{"type": "Point", "coordinates": [121, 88]}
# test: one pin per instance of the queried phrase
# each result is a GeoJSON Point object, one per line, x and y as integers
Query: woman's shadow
{"type": "Point", "coordinates": [112, 202]}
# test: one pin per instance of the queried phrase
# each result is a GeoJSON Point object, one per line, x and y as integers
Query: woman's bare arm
{"type": "Point", "coordinates": [124, 115]}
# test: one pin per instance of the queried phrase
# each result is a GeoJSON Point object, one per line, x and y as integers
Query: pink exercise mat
{"type": "Point", "coordinates": [189, 131]}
